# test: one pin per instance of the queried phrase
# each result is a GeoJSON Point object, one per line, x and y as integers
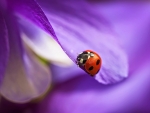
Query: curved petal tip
{"type": "Point", "coordinates": [114, 66]}
{"type": "Point", "coordinates": [88, 30]}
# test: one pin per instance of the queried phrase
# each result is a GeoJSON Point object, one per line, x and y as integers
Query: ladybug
{"type": "Point", "coordinates": [89, 61]}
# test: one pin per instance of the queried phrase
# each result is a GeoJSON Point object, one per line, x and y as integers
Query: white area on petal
{"type": "Point", "coordinates": [42, 43]}
{"type": "Point", "coordinates": [23, 82]}
{"type": "Point", "coordinates": [48, 48]}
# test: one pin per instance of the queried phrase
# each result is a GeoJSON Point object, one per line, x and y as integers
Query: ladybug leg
{"type": "Point", "coordinates": [77, 62]}
{"type": "Point", "coordinates": [77, 65]}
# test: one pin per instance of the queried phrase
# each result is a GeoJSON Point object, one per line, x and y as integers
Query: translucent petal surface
{"type": "Point", "coordinates": [79, 29]}
{"type": "Point", "coordinates": [26, 77]}
{"type": "Point", "coordinates": [131, 22]}
{"type": "Point", "coordinates": [4, 47]}
{"type": "Point", "coordinates": [31, 10]}
{"type": "Point", "coordinates": [43, 45]}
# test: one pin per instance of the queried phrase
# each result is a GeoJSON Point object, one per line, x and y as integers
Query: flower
{"type": "Point", "coordinates": [114, 61]}
{"type": "Point", "coordinates": [19, 51]}
{"type": "Point", "coordinates": [22, 75]}
{"type": "Point", "coordinates": [83, 94]}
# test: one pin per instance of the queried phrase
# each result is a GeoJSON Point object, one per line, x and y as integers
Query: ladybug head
{"type": "Point", "coordinates": [82, 58]}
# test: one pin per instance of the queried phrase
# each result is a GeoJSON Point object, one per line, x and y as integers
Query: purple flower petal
{"type": "Point", "coordinates": [131, 22]}
{"type": "Point", "coordinates": [4, 47]}
{"type": "Point", "coordinates": [43, 45]}
{"type": "Point", "coordinates": [79, 29]}
{"type": "Point", "coordinates": [38, 41]}
{"type": "Point", "coordinates": [85, 95]}
{"type": "Point", "coordinates": [72, 30]}
{"type": "Point", "coordinates": [48, 48]}
{"type": "Point", "coordinates": [31, 10]}
{"type": "Point", "coordinates": [25, 77]}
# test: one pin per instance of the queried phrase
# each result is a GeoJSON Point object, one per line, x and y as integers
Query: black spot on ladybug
{"type": "Point", "coordinates": [97, 62]}
{"type": "Point", "coordinates": [91, 68]}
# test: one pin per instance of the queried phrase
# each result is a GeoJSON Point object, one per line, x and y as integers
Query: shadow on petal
{"type": "Point", "coordinates": [83, 94]}
{"type": "Point", "coordinates": [4, 49]}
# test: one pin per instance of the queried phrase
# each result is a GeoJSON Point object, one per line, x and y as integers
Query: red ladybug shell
{"type": "Point", "coordinates": [93, 64]}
